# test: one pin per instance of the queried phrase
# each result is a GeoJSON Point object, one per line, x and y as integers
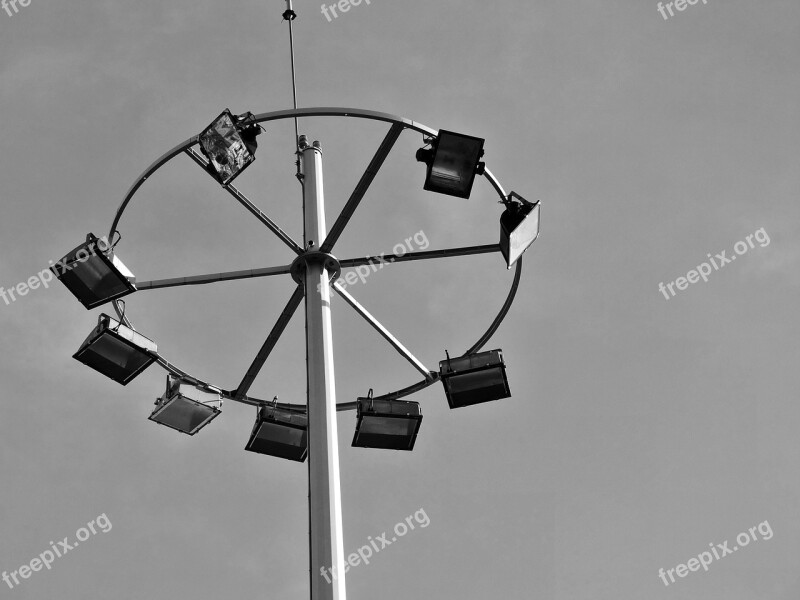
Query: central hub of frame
{"type": "Point", "coordinates": [329, 261]}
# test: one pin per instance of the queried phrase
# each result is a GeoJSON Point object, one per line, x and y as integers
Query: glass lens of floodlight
{"type": "Point", "coordinates": [480, 386]}
{"type": "Point", "coordinates": [392, 426]}
{"type": "Point", "coordinates": [225, 148]}
{"type": "Point", "coordinates": [455, 160]}
{"type": "Point", "coordinates": [280, 434]}
{"type": "Point", "coordinates": [93, 277]}
{"type": "Point", "coordinates": [518, 230]}
{"type": "Point", "coordinates": [114, 358]}
{"type": "Point", "coordinates": [99, 279]}
{"type": "Point", "coordinates": [279, 440]}
{"type": "Point", "coordinates": [184, 414]}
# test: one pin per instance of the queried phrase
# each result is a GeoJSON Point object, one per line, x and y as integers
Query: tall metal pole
{"type": "Point", "coordinates": [325, 500]}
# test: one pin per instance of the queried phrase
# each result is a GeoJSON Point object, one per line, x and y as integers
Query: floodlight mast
{"type": "Point", "coordinates": [324, 492]}
{"type": "Point", "coordinates": [313, 269]}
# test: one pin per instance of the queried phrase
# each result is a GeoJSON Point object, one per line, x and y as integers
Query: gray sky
{"type": "Point", "coordinates": [640, 430]}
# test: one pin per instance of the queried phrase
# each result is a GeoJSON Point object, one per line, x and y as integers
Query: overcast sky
{"type": "Point", "coordinates": [644, 425]}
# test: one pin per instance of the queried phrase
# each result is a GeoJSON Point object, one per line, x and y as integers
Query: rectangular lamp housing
{"type": "Point", "coordinates": [452, 168]}
{"type": "Point", "coordinates": [94, 274]}
{"type": "Point", "coordinates": [280, 432]}
{"type": "Point", "coordinates": [475, 378]}
{"type": "Point", "coordinates": [185, 408]}
{"type": "Point", "coordinates": [388, 424]}
{"type": "Point", "coordinates": [227, 150]}
{"type": "Point", "coordinates": [117, 351]}
{"type": "Point", "coordinates": [519, 228]}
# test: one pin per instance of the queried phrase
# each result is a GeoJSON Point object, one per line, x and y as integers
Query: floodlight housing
{"type": "Point", "coordinates": [229, 144]}
{"type": "Point", "coordinates": [453, 160]}
{"type": "Point", "coordinates": [519, 227]}
{"type": "Point", "coordinates": [474, 378]}
{"type": "Point", "coordinates": [117, 351]}
{"type": "Point", "coordinates": [185, 408]}
{"type": "Point", "coordinates": [388, 424]}
{"type": "Point", "coordinates": [280, 432]}
{"type": "Point", "coordinates": [94, 274]}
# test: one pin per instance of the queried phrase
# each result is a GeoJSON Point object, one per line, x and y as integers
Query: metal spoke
{"type": "Point", "coordinates": [269, 344]}
{"type": "Point", "coordinates": [446, 253]}
{"type": "Point", "coordinates": [254, 210]}
{"type": "Point", "coordinates": [212, 278]}
{"type": "Point", "coordinates": [361, 188]}
{"type": "Point", "coordinates": [429, 375]}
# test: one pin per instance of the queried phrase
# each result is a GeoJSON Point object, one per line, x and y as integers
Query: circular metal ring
{"type": "Point", "coordinates": [299, 263]}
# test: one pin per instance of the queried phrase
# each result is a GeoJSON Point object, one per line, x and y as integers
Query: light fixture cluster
{"type": "Point", "coordinates": [95, 275]}
{"type": "Point", "coordinates": [452, 162]}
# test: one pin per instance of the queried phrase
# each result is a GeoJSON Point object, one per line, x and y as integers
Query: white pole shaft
{"type": "Point", "coordinates": [325, 500]}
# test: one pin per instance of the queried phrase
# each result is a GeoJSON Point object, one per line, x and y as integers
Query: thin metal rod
{"type": "Point", "coordinates": [211, 278]}
{"type": "Point", "coordinates": [363, 185]}
{"type": "Point", "coordinates": [387, 335]}
{"type": "Point", "coordinates": [269, 343]}
{"type": "Point", "coordinates": [254, 210]}
{"type": "Point", "coordinates": [294, 84]}
{"type": "Point", "coordinates": [446, 253]}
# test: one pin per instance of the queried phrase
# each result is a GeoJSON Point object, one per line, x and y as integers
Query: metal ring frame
{"type": "Point", "coordinates": [398, 125]}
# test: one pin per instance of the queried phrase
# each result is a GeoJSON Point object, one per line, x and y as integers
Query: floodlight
{"type": "Point", "coordinates": [474, 378]}
{"type": "Point", "coordinates": [389, 424]}
{"type": "Point", "coordinates": [280, 432]}
{"type": "Point", "coordinates": [94, 274]}
{"type": "Point", "coordinates": [229, 144]}
{"type": "Point", "coordinates": [117, 351]}
{"type": "Point", "coordinates": [519, 227]}
{"type": "Point", "coordinates": [453, 160]}
{"type": "Point", "coordinates": [185, 408]}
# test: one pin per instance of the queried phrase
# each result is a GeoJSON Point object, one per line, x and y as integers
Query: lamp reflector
{"type": "Point", "coordinates": [94, 274]}
{"type": "Point", "coordinates": [116, 351]}
{"type": "Point", "coordinates": [280, 432]}
{"type": "Point", "coordinates": [452, 163]}
{"type": "Point", "coordinates": [185, 408]}
{"type": "Point", "coordinates": [474, 378]}
{"type": "Point", "coordinates": [229, 144]}
{"type": "Point", "coordinates": [519, 228]}
{"type": "Point", "coordinates": [388, 424]}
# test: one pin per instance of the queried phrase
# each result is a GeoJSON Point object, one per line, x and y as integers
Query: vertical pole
{"type": "Point", "coordinates": [325, 501]}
